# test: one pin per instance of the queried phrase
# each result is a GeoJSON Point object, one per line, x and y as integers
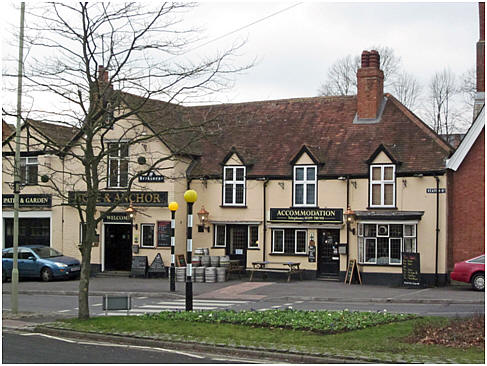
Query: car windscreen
{"type": "Point", "coordinates": [480, 260]}
{"type": "Point", "coordinates": [46, 252]}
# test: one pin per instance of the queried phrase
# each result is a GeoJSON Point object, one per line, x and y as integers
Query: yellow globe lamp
{"type": "Point", "coordinates": [173, 206]}
{"type": "Point", "coordinates": [190, 196]}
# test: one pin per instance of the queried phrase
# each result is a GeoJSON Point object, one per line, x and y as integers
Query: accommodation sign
{"type": "Point", "coordinates": [108, 198]}
{"type": "Point", "coordinates": [313, 215]}
{"type": "Point", "coordinates": [28, 200]}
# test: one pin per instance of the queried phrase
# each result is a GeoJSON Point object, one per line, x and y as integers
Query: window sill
{"type": "Point", "coordinates": [380, 265]}
{"type": "Point", "coordinates": [289, 254]}
{"type": "Point", "coordinates": [307, 207]}
{"type": "Point", "coordinates": [382, 208]}
{"type": "Point", "coordinates": [165, 247]}
{"type": "Point", "coordinates": [253, 248]}
{"type": "Point", "coordinates": [214, 247]}
{"type": "Point", "coordinates": [233, 206]}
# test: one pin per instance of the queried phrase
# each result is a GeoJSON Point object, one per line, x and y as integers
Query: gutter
{"type": "Point", "coordinates": [437, 226]}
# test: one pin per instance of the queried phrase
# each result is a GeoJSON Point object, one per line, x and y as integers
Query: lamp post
{"type": "Point", "coordinates": [173, 207]}
{"type": "Point", "coordinates": [190, 196]}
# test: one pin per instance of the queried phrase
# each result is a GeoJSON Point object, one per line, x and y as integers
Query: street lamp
{"type": "Point", "coordinates": [190, 196]}
{"type": "Point", "coordinates": [173, 207]}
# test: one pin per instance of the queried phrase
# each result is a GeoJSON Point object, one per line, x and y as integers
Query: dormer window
{"type": "Point", "coordinates": [382, 185]}
{"type": "Point", "coordinates": [304, 185]}
{"type": "Point", "coordinates": [234, 186]}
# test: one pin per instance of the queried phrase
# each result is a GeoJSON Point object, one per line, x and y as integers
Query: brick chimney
{"type": "Point", "coordinates": [480, 96]}
{"type": "Point", "coordinates": [370, 86]}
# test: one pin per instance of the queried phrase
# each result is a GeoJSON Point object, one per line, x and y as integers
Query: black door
{"type": "Point", "coordinates": [237, 241]}
{"type": "Point", "coordinates": [118, 247]}
{"type": "Point", "coordinates": [328, 257]}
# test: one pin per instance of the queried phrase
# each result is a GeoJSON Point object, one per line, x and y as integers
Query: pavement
{"type": "Point", "coordinates": [242, 289]}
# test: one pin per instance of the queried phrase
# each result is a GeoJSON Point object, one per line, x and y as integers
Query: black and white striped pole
{"type": "Point", "coordinates": [190, 196]}
{"type": "Point", "coordinates": [173, 207]}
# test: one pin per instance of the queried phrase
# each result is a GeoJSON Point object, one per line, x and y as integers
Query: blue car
{"type": "Point", "coordinates": [39, 261]}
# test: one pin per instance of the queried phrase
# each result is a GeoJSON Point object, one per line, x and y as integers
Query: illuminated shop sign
{"type": "Point", "coordinates": [28, 200]}
{"type": "Point", "coordinates": [108, 198]}
{"type": "Point", "coordinates": [316, 215]}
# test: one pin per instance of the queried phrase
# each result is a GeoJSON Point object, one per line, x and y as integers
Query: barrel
{"type": "Point", "coordinates": [180, 274]}
{"type": "Point", "coordinates": [199, 251]}
{"type": "Point", "coordinates": [196, 261]}
{"type": "Point", "coordinates": [206, 251]}
{"type": "Point", "coordinates": [215, 261]}
{"type": "Point", "coordinates": [221, 274]}
{"type": "Point", "coordinates": [224, 261]}
{"type": "Point", "coordinates": [199, 274]}
{"type": "Point", "coordinates": [210, 274]}
{"type": "Point", "coordinates": [205, 260]}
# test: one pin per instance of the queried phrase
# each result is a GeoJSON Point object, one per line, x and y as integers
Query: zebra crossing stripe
{"type": "Point", "coordinates": [174, 306]}
{"type": "Point", "coordinates": [223, 302]}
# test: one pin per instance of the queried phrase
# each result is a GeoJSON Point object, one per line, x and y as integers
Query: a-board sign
{"type": "Point", "coordinates": [312, 254]}
{"type": "Point", "coordinates": [139, 266]}
{"type": "Point", "coordinates": [157, 265]}
{"type": "Point", "coordinates": [352, 271]}
{"type": "Point", "coordinates": [411, 270]}
{"type": "Point", "coordinates": [181, 261]}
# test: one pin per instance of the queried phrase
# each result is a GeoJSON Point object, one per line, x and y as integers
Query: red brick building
{"type": "Point", "coordinates": [466, 178]}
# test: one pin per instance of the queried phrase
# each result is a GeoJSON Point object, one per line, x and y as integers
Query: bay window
{"type": "Point", "coordinates": [383, 244]}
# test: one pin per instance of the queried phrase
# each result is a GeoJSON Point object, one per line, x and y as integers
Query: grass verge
{"type": "Point", "coordinates": [385, 342]}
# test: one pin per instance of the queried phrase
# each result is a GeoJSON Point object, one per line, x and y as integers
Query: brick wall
{"type": "Point", "coordinates": [466, 206]}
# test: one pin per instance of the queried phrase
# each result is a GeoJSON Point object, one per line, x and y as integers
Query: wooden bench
{"type": "Point", "coordinates": [289, 267]}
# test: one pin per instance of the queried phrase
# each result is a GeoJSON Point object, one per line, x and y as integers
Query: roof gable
{"type": "Point", "coordinates": [382, 150]}
{"type": "Point", "coordinates": [302, 154]}
{"type": "Point", "coordinates": [468, 141]}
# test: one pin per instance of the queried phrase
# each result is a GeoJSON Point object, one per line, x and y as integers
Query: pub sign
{"type": "Point", "coordinates": [309, 215]}
{"type": "Point", "coordinates": [108, 198]}
{"type": "Point", "coordinates": [28, 200]}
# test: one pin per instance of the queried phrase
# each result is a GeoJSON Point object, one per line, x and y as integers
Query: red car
{"type": "Point", "coordinates": [471, 271]}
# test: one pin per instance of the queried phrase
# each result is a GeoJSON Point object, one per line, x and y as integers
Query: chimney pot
{"type": "Point", "coordinates": [374, 59]}
{"type": "Point", "coordinates": [365, 59]}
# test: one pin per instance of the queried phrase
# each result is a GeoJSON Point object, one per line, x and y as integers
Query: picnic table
{"type": "Point", "coordinates": [234, 266]}
{"type": "Point", "coordinates": [280, 267]}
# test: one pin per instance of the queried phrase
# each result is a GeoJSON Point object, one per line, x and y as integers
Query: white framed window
{"type": "Point", "coordinates": [382, 186]}
{"type": "Point", "coordinates": [304, 185]}
{"type": "Point", "coordinates": [29, 170]}
{"type": "Point", "coordinates": [147, 235]}
{"type": "Point", "coordinates": [234, 186]}
{"type": "Point", "coordinates": [383, 243]}
{"type": "Point", "coordinates": [220, 239]}
{"type": "Point", "coordinates": [278, 241]}
{"type": "Point", "coordinates": [300, 242]}
{"type": "Point", "coordinates": [253, 236]}
{"type": "Point", "coordinates": [118, 164]}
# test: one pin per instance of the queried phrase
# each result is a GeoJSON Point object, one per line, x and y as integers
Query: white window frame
{"type": "Point", "coordinates": [249, 236]}
{"type": "Point", "coordinates": [382, 182]}
{"type": "Point", "coordinates": [142, 226]}
{"type": "Point", "coordinates": [25, 163]}
{"type": "Point", "coordinates": [274, 240]}
{"type": "Point", "coordinates": [234, 182]}
{"type": "Point", "coordinates": [305, 183]}
{"type": "Point", "coordinates": [118, 158]}
{"type": "Point", "coordinates": [296, 241]}
{"type": "Point", "coordinates": [400, 250]}
{"type": "Point", "coordinates": [215, 243]}
{"type": "Point", "coordinates": [362, 239]}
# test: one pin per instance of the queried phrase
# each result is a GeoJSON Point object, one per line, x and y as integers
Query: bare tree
{"type": "Point", "coordinates": [406, 89]}
{"type": "Point", "coordinates": [468, 86]}
{"type": "Point", "coordinates": [342, 75]}
{"type": "Point", "coordinates": [104, 64]}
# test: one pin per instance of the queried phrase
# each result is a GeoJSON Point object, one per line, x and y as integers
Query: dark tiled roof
{"type": "Point", "coordinates": [59, 134]}
{"type": "Point", "coordinates": [271, 133]}
{"type": "Point", "coordinates": [6, 130]}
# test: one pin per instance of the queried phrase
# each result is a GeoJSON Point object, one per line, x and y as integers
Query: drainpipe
{"type": "Point", "coordinates": [437, 226]}
{"type": "Point", "coordinates": [348, 224]}
{"type": "Point", "coordinates": [264, 219]}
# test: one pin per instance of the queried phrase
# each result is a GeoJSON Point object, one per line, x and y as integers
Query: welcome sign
{"type": "Point", "coordinates": [313, 215]}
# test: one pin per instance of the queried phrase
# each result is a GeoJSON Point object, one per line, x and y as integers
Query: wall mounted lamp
{"type": "Point", "coordinates": [130, 211]}
{"type": "Point", "coordinates": [203, 215]}
{"type": "Point", "coordinates": [350, 218]}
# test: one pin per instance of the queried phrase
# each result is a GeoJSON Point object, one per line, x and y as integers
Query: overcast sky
{"type": "Point", "coordinates": [295, 48]}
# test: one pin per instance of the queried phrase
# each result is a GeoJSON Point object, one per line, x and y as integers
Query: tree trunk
{"type": "Point", "coordinates": [84, 282]}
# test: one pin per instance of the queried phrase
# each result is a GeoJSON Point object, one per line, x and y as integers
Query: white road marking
{"type": "Point", "coordinates": [142, 298]}
{"type": "Point", "coordinates": [64, 311]}
{"type": "Point", "coordinates": [113, 345]}
{"type": "Point", "coordinates": [175, 306]}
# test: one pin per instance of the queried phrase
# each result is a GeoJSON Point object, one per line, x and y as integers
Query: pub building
{"type": "Point", "coordinates": [319, 181]}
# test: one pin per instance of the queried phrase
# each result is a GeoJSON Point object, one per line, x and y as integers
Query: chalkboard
{"type": "Point", "coordinates": [312, 254]}
{"type": "Point", "coordinates": [157, 265]}
{"type": "Point", "coordinates": [352, 271]}
{"type": "Point", "coordinates": [411, 272]}
{"type": "Point", "coordinates": [181, 260]}
{"type": "Point", "coordinates": [139, 266]}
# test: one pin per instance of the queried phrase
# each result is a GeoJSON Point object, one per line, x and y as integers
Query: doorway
{"type": "Point", "coordinates": [237, 242]}
{"type": "Point", "coordinates": [118, 247]}
{"type": "Point", "coordinates": [328, 257]}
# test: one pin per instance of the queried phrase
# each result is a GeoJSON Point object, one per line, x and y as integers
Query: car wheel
{"type": "Point", "coordinates": [478, 282]}
{"type": "Point", "coordinates": [46, 274]}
